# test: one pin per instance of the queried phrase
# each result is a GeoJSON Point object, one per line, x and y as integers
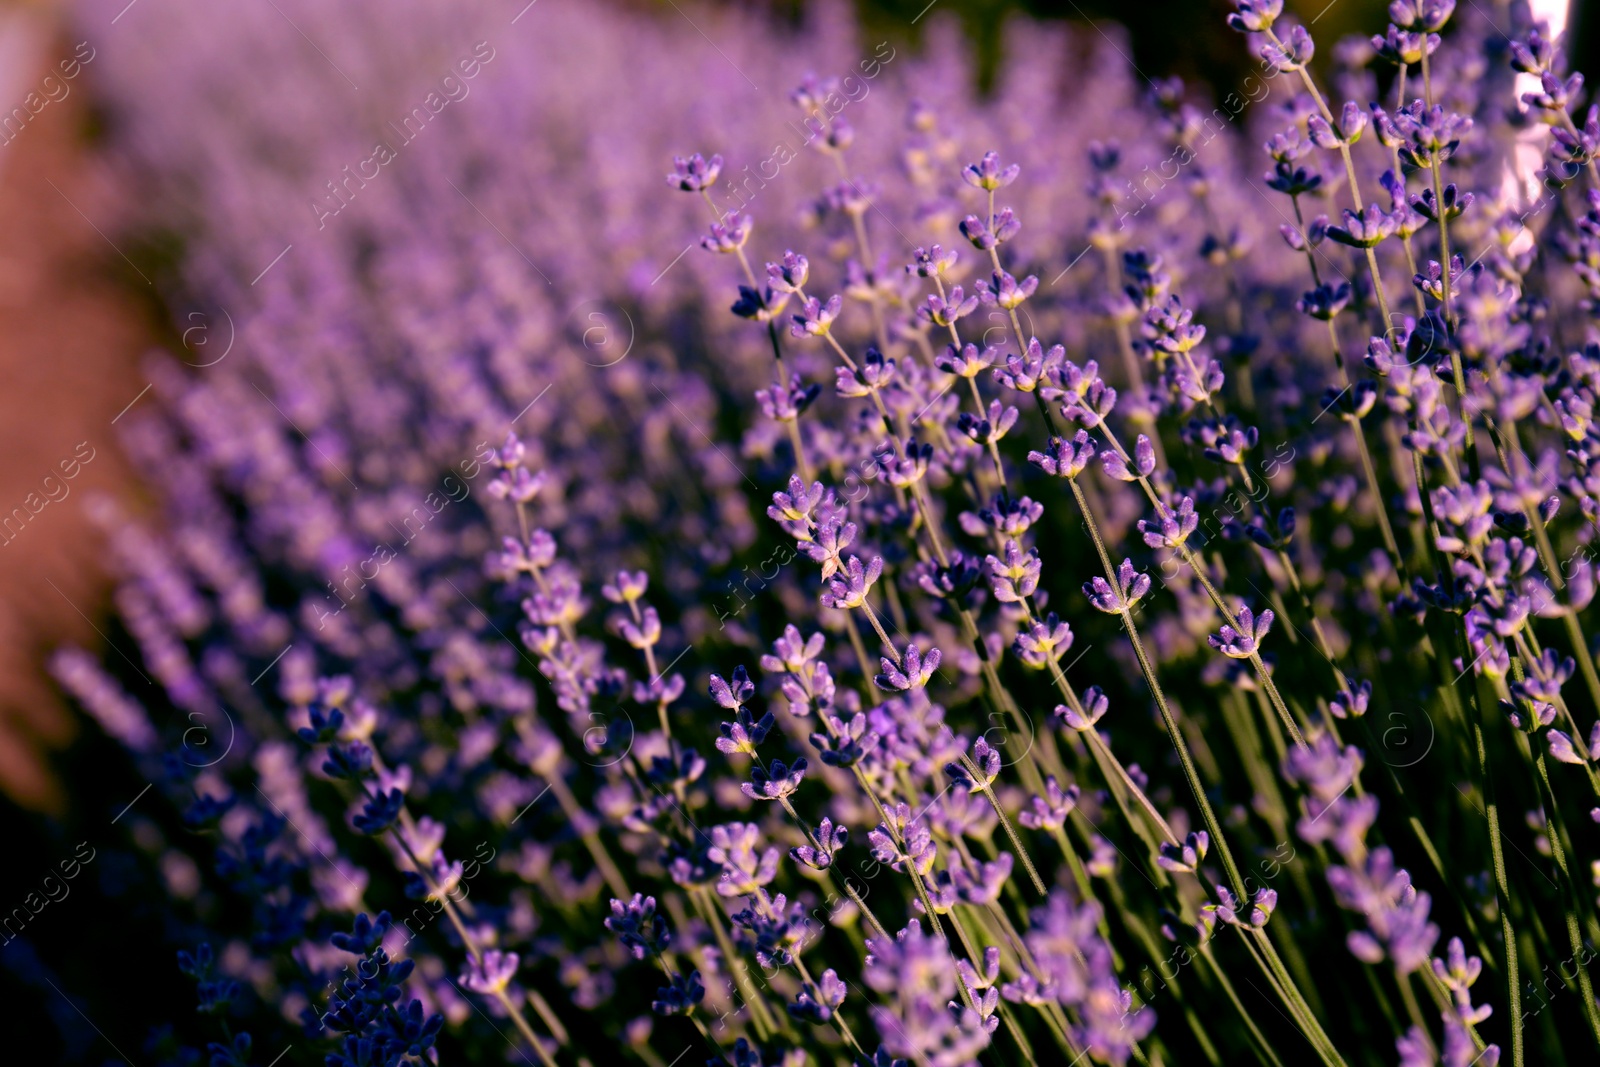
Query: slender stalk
{"type": "Point", "coordinates": [471, 944]}
{"type": "Point", "coordinates": [1556, 834]}
{"type": "Point", "coordinates": [1502, 888]}
{"type": "Point", "coordinates": [1263, 1046]}
{"type": "Point", "coordinates": [838, 1017]}
{"type": "Point", "coordinates": [1291, 994]}
{"type": "Point", "coordinates": [760, 1015]}
{"type": "Point", "coordinates": [1350, 173]}
{"type": "Point", "coordinates": [1195, 785]}
{"type": "Point", "coordinates": [1005, 821]}
{"type": "Point", "coordinates": [1408, 997]}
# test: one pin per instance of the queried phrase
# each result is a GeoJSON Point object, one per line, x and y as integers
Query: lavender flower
{"type": "Point", "coordinates": [1131, 588]}
{"type": "Point", "coordinates": [829, 840]}
{"type": "Point", "coordinates": [1186, 857]}
{"type": "Point", "coordinates": [988, 174]}
{"type": "Point", "coordinates": [1244, 639]}
{"type": "Point", "coordinates": [1095, 704]}
{"type": "Point", "coordinates": [910, 671]}
{"type": "Point", "coordinates": [317, 510]}
{"type": "Point", "coordinates": [694, 173]}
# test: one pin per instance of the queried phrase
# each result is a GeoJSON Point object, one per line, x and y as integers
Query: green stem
{"type": "Point", "coordinates": [1193, 776]}
{"type": "Point", "coordinates": [1556, 833]}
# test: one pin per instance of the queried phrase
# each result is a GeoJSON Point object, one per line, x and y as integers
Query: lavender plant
{"type": "Point", "coordinates": [1206, 601]}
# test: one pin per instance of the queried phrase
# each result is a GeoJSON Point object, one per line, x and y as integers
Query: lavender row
{"type": "Point", "coordinates": [905, 596]}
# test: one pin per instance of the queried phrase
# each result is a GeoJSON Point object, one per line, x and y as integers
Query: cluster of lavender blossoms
{"type": "Point", "coordinates": [1081, 575]}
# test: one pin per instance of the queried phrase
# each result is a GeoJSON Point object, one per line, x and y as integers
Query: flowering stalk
{"type": "Point", "coordinates": [495, 989]}
{"type": "Point", "coordinates": [1267, 956]}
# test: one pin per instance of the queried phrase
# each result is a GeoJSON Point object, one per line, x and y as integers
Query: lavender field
{"type": "Point", "coordinates": [673, 535]}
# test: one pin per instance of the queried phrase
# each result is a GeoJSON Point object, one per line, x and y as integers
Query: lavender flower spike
{"type": "Point", "coordinates": [1245, 641]}
{"type": "Point", "coordinates": [695, 173]}
{"type": "Point", "coordinates": [492, 974]}
{"type": "Point", "coordinates": [912, 672]}
{"type": "Point", "coordinates": [988, 174]}
{"type": "Point", "coordinates": [1131, 588]}
{"type": "Point", "coordinates": [1095, 704]}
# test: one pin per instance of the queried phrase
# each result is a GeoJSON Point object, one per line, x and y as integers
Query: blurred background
{"type": "Point", "coordinates": [78, 309]}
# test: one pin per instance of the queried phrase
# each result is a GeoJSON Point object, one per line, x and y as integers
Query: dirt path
{"type": "Point", "coordinates": [70, 336]}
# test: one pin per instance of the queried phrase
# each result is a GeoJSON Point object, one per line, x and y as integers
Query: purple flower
{"type": "Point", "coordinates": [682, 993]}
{"type": "Point", "coordinates": [646, 633]}
{"type": "Point", "coordinates": [931, 262]}
{"type": "Point", "coordinates": [790, 275]}
{"type": "Point", "coordinates": [695, 173]}
{"type": "Point", "coordinates": [846, 741]}
{"type": "Point", "coordinates": [1084, 394]}
{"type": "Point", "coordinates": [1015, 577]}
{"type": "Point", "coordinates": [987, 173]}
{"type": "Point", "coordinates": [1094, 704]}
{"type": "Point", "coordinates": [1533, 55]}
{"type": "Point", "coordinates": [1007, 291]}
{"type": "Point", "coordinates": [746, 867]}
{"type": "Point", "coordinates": [967, 362]}
{"type": "Point", "coordinates": [1352, 122]}
{"type": "Point", "coordinates": [745, 733]}
{"type": "Point", "coordinates": [850, 591]}
{"type": "Point", "coordinates": [1231, 910]}
{"type": "Point", "coordinates": [1453, 204]}
{"type": "Point", "coordinates": [626, 587]}
{"type": "Point", "coordinates": [1289, 53]}
{"type": "Point", "coordinates": [1351, 703]}
{"type": "Point", "coordinates": [1255, 16]}
{"type": "Point", "coordinates": [1131, 588]}
{"type": "Point", "coordinates": [1170, 529]}
{"type": "Point", "coordinates": [785, 404]}
{"type": "Point", "coordinates": [1185, 857]}
{"type": "Point", "coordinates": [1431, 134]}
{"type": "Point", "coordinates": [815, 318]}
{"type": "Point", "coordinates": [1144, 462]}
{"type": "Point", "coordinates": [948, 310]}
{"type": "Point", "coordinates": [1396, 913]}
{"type": "Point", "coordinates": [780, 781]}
{"type": "Point", "coordinates": [873, 375]}
{"type": "Point", "coordinates": [759, 305]}
{"type": "Point", "coordinates": [817, 1005]}
{"type": "Point", "coordinates": [982, 886]}
{"type": "Point", "coordinates": [352, 760]}
{"type": "Point", "coordinates": [832, 536]}
{"type": "Point", "coordinates": [1366, 230]}
{"type": "Point", "coordinates": [912, 672]}
{"type": "Point", "coordinates": [1325, 301]}
{"type": "Point", "coordinates": [1024, 373]}
{"type": "Point", "coordinates": [729, 238]}
{"type": "Point", "coordinates": [1457, 972]}
{"type": "Point", "coordinates": [1068, 458]}
{"type": "Point", "coordinates": [1043, 642]}
{"type": "Point", "coordinates": [998, 421]}
{"type": "Point", "coordinates": [793, 509]}
{"type": "Point", "coordinates": [1569, 750]}
{"type": "Point", "coordinates": [985, 767]}
{"type": "Point", "coordinates": [829, 840]}
{"type": "Point", "coordinates": [735, 693]}
{"type": "Point", "coordinates": [1296, 181]}
{"type": "Point", "coordinates": [1050, 811]}
{"type": "Point", "coordinates": [492, 973]}
{"type": "Point", "coordinates": [1244, 641]}
{"type": "Point", "coordinates": [1288, 146]}
{"type": "Point", "coordinates": [978, 234]}
{"type": "Point", "coordinates": [792, 653]}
